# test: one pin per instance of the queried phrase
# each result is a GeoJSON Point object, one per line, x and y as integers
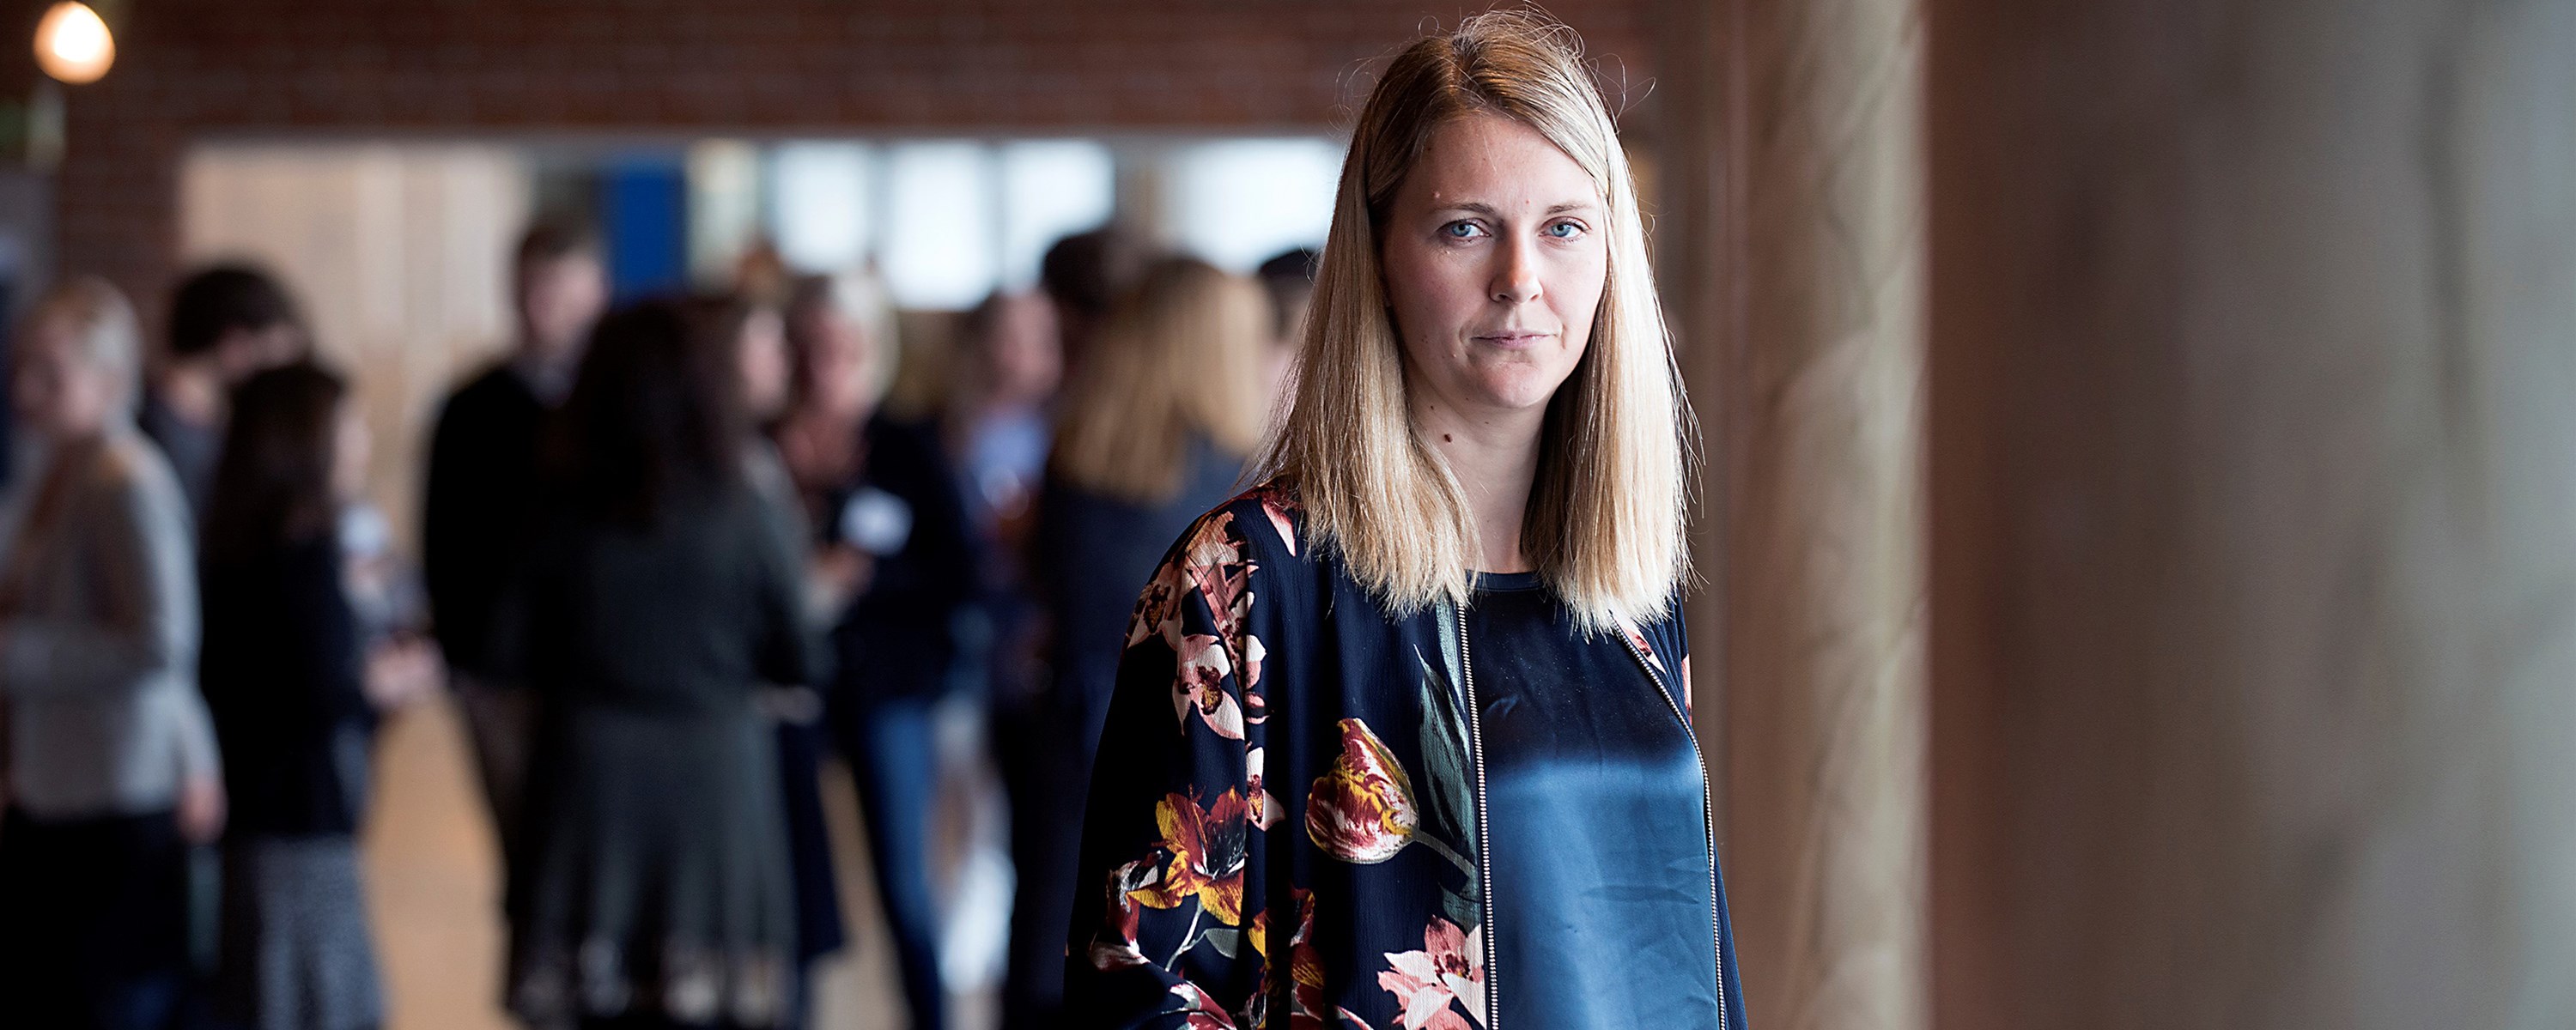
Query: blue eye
{"type": "Point", "coordinates": [1565, 230]}
{"type": "Point", "coordinates": [1462, 230]}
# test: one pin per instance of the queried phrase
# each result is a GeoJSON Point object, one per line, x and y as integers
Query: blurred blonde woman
{"type": "Point", "coordinates": [112, 761]}
{"type": "Point", "coordinates": [1400, 737]}
{"type": "Point", "coordinates": [1152, 431]}
{"type": "Point", "coordinates": [899, 564]}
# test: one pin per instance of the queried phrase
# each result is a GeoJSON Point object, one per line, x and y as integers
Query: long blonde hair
{"type": "Point", "coordinates": [1605, 523]}
{"type": "Point", "coordinates": [1179, 356]}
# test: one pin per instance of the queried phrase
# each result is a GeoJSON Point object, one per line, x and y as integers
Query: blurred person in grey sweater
{"type": "Point", "coordinates": [112, 767]}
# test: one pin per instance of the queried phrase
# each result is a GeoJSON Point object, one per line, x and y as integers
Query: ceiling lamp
{"type": "Point", "coordinates": [73, 44]}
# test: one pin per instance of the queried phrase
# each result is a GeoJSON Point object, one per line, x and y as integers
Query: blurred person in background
{"type": "Point", "coordinates": [1083, 274]}
{"type": "Point", "coordinates": [841, 348]}
{"type": "Point", "coordinates": [295, 681]}
{"type": "Point", "coordinates": [482, 482]}
{"type": "Point", "coordinates": [656, 602]}
{"type": "Point", "coordinates": [756, 336]}
{"type": "Point", "coordinates": [1152, 432]}
{"type": "Point", "coordinates": [226, 323]}
{"type": "Point", "coordinates": [997, 418]}
{"type": "Point", "coordinates": [1401, 737]}
{"type": "Point", "coordinates": [1003, 375]}
{"type": "Point", "coordinates": [1289, 278]}
{"type": "Point", "coordinates": [112, 763]}
{"type": "Point", "coordinates": [892, 531]}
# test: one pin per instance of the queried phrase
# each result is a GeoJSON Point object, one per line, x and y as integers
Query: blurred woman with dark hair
{"type": "Point", "coordinates": [295, 687]}
{"type": "Point", "coordinates": [755, 335]}
{"type": "Point", "coordinates": [1153, 430]}
{"type": "Point", "coordinates": [658, 598]}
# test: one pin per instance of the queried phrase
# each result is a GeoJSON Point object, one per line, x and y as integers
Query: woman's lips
{"type": "Point", "coordinates": [1513, 339]}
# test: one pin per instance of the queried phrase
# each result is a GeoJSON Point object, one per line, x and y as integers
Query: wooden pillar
{"type": "Point", "coordinates": [1796, 276]}
{"type": "Point", "coordinates": [2254, 471]}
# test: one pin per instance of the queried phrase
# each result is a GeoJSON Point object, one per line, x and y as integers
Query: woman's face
{"type": "Point", "coordinates": [1027, 359]}
{"type": "Point", "coordinates": [837, 353]}
{"type": "Point", "coordinates": [59, 392]}
{"type": "Point", "coordinates": [1494, 262]}
{"type": "Point", "coordinates": [761, 351]}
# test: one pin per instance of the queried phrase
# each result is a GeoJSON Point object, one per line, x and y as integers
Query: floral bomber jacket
{"type": "Point", "coordinates": [1285, 825]}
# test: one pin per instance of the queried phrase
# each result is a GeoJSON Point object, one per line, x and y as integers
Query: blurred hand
{"type": "Point", "coordinates": [798, 706]}
{"type": "Point", "coordinates": [201, 809]}
{"type": "Point", "coordinates": [839, 573]}
{"type": "Point", "coordinates": [402, 671]}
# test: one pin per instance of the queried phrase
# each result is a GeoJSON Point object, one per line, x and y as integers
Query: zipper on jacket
{"type": "Point", "coordinates": [1707, 810]}
{"type": "Point", "coordinates": [1484, 835]}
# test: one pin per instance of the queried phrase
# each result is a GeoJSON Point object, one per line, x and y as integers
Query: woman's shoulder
{"type": "Point", "coordinates": [1216, 557]}
{"type": "Point", "coordinates": [1265, 523]}
{"type": "Point", "coordinates": [128, 465]}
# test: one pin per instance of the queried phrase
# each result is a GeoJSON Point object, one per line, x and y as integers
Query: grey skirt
{"type": "Point", "coordinates": [296, 955]}
{"type": "Point", "coordinates": [656, 882]}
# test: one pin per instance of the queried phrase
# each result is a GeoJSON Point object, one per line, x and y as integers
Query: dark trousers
{"type": "Point", "coordinates": [819, 930]}
{"type": "Point", "coordinates": [93, 921]}
{"type": "Point", "coordinates": [1045, 757]}
{"type": "Point", "coordinates": [895, 761]}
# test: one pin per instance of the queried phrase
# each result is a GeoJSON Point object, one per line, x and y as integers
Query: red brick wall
{"type": "Point", "coordinates": [191, 68]}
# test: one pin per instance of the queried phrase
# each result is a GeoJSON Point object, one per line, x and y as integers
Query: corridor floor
{"type": "Point", "coordinates": [434, 887]}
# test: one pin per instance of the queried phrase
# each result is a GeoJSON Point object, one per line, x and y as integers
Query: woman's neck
{"type": "Point", "coordinates": [1495, 457]}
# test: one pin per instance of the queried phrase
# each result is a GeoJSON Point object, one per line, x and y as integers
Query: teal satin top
{"type": "Point", "coordinates": [1602, 881]}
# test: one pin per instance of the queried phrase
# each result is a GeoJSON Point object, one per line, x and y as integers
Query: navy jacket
{"type": "Point", "coordinates": [1286, 809]}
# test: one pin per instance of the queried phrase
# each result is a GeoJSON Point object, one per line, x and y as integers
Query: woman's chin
{"type": "Point", "coordinates": [1518, 394]}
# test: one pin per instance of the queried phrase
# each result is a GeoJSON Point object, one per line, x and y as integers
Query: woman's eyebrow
{"type": "Point", "coordinates": [1490, 211]}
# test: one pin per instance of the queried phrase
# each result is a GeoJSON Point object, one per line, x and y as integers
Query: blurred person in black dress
{"type": "Point", "coordinates": [756, 336]}
{"type": "Point", "coordinates": [226, 323]}
{"type": "Point", "coordinates": [295, 683]}
{"type": "Point", "coordinates": [655, 604]}
{"type": "Point", "coordinates": [892, 531]}
{"type": "Point", "coordinates": [482, 480]}
{"type": "Point", "coordinates": [1153, 431]}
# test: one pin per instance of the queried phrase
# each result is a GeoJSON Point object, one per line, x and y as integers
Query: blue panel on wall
{"type": "Point", "coordinates": [644, 214]}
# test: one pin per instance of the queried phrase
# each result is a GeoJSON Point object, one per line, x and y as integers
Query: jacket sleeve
{"type": "Point", "coordinates": [525, 639]}
{"type": "Point", "coordinates": [327, 660]}
{"type": "Point", "coordinates": [199, 756]}
{"type": "Point", "coordinates": [147, 577]}
{"type": "Point", "coordinates": [440, 540]}
{"type": "Point", "coordinates": [790, 653]}
{"type": "Point", "coordinates": [1167, 929]}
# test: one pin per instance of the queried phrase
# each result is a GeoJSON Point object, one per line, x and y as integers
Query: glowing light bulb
{"type": "Point", "coordinates": [73, 44]}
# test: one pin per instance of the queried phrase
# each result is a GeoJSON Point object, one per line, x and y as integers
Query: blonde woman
{"type": "Point", "coordinates": [112, 768]}
{"type": "Point", "coordinates": [1399, 738]}
{"type": "Point", "coordinates": [1153, 430]}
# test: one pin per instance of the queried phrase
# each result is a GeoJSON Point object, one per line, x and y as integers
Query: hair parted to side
{"type": "Point", "coordinates": [1605, 524]}
{"type": "Point", "coordinates": [1180, 356]}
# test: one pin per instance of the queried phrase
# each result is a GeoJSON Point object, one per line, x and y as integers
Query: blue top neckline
{"type": "Point", "coordinates": [1496, 582]}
